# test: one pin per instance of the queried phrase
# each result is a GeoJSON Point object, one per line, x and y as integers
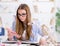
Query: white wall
{"type": "Point", "coordinates": [40, 9]}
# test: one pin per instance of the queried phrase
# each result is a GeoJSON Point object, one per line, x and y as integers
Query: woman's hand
{"type": "Point", "coordinates": [12, 33]}
{"type": "Point", "coordinates": [42, 41]}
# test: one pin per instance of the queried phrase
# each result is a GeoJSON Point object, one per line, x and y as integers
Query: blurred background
{"type": "Point", "coordinates": [44, 12]}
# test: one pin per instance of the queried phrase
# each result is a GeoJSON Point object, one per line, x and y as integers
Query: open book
{"type": "Point", "coordinates": [23, 42]}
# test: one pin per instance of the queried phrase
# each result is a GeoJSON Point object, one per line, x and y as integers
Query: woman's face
{"type": "Point", "coordinates": [22, 14]}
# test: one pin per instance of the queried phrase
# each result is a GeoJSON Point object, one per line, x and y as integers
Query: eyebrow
{"type": "Point", "coordinates": [22, 13]}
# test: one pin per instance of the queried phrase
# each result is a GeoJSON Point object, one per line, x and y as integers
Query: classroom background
{"type": "Point", "coordinates": [43, 13]}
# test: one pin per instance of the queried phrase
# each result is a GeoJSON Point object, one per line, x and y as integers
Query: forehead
{"type": "Point", "coordinates": [21, 11]}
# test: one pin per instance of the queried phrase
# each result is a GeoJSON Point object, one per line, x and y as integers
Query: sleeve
{"type": "Point", "coordinates": [42, 34]}
{"type": "Point", "coordinates": [13, 29]}
{"type": "Point", "coordinates": [13, 26]}
{"type": "Point", "coordinates": [40, 31]}
{"type": "Point", "coordinates": [37, 33]}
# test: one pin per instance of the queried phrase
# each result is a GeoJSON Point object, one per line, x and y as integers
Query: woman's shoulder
{"type": "Point", "coordinates": [35, 26]}
{"type": "Point", "coordinates": [34, 23]}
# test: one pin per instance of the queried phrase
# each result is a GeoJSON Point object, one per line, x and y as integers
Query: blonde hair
{"type": "Point", "coordinates": [19, 24]}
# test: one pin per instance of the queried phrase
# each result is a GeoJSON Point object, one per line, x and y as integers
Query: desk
{"type": "Point", "coordinates": [23, 43]}
{"type": "Point", "coordinates": [30, 43]}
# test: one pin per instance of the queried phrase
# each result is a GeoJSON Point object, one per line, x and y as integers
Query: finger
{"type": "Point", "coordinates": [19, 42]}
{"type": "Point", "coordinates": [10, 31]}
{"type": "Point", "coordinates": [18, 36]}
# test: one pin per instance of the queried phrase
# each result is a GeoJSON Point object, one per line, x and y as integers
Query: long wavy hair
{"type": "Point", "coordinates": [19, 24]}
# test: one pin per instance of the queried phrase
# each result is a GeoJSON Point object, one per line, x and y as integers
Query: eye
{"type": "Point", "coordinates": [19, 14]}
{"type": "Point", "coordinates": [23, 13]}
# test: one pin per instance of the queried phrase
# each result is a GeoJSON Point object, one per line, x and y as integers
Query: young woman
{"type": "Point", "coordinates": [24, 28]}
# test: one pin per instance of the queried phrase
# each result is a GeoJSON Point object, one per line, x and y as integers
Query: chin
{"type": "Point", "coordinates": [22, 20]}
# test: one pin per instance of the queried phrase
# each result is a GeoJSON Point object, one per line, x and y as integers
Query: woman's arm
{"type": "Point", "coordinates": [38, 34]}
{"type": "Point", "coordinates": [41, 38]}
